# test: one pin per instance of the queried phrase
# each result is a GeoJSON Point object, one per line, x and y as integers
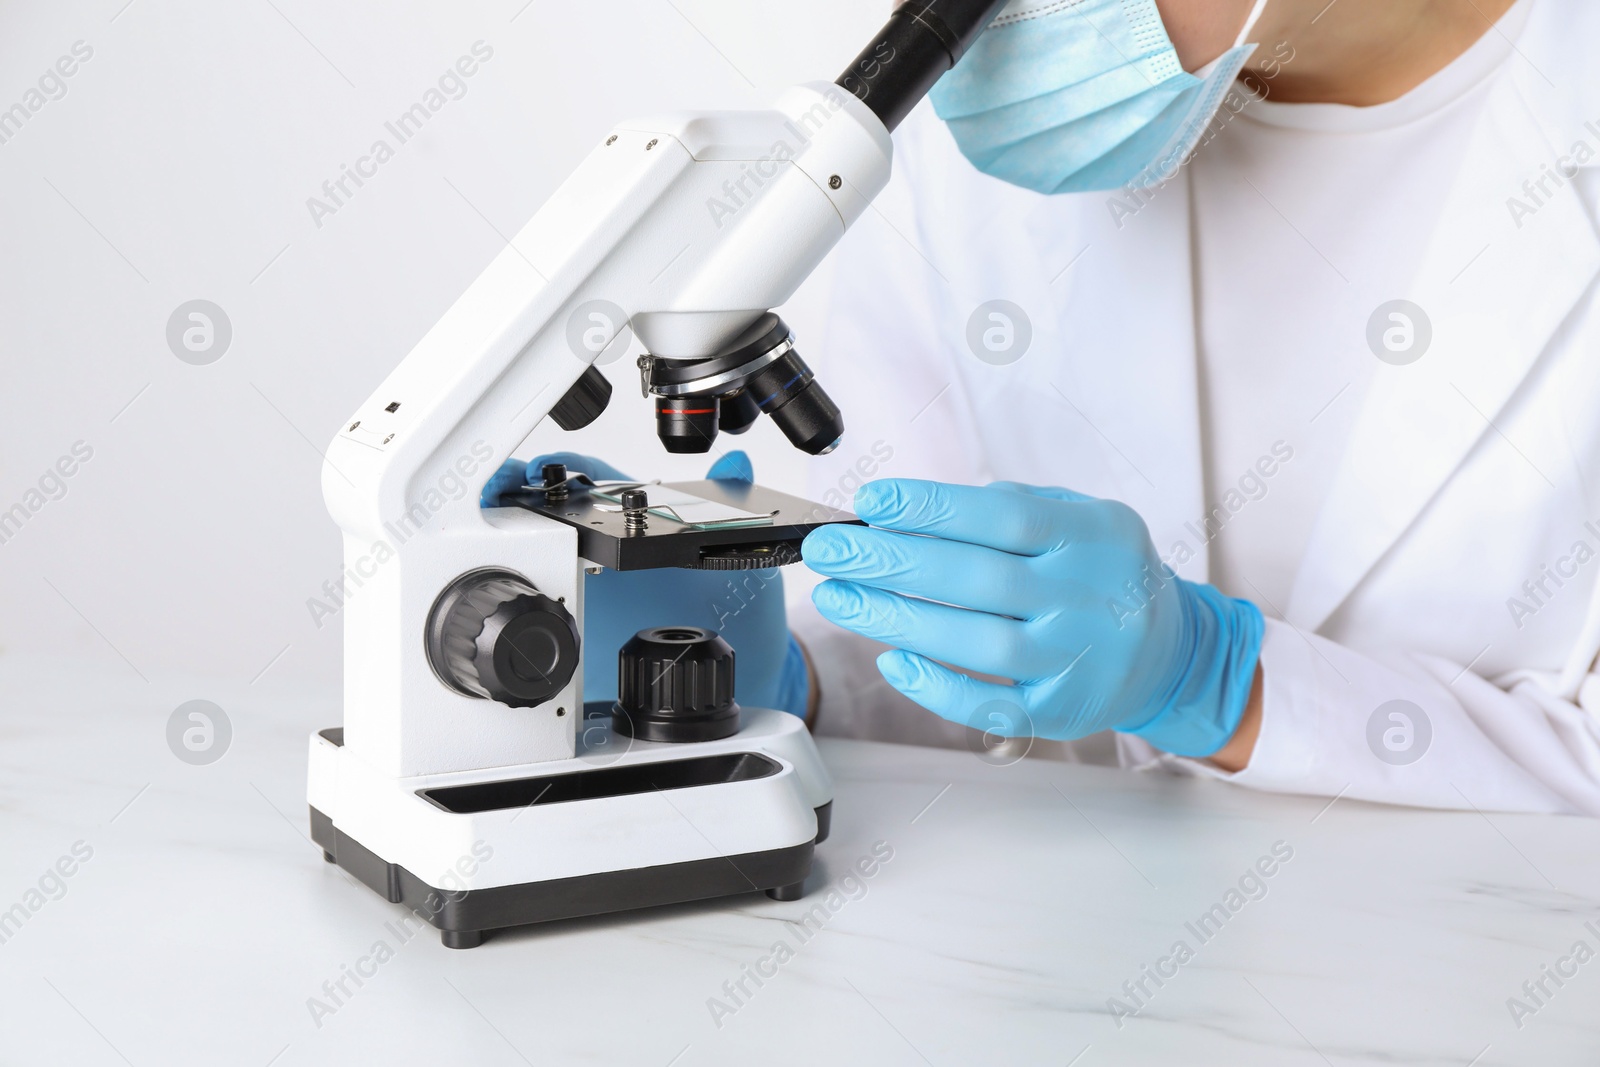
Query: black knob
{"type": "Point", "coordinates": [583, 401]}
{"type": "Point", "coordinates": [675, 683]}
{"type": "Point", "coordinates": [491, 634]}
{"type": "Point", "coordinates": [553, 480]}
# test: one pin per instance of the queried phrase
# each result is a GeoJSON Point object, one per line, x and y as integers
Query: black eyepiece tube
{"type": "Point", "coordinates": [921, 40]}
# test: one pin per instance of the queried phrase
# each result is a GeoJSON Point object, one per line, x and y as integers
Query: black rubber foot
{"type": "Point", "coordinates": [327, 857]}
{"type": "Point", "coordinates": [461, 938]}
{"type": "Point", "coordinates": [793, 891]}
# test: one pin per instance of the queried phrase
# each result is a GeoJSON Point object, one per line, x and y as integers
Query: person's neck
{"type": "Point", "coordinates": [1361, 52]}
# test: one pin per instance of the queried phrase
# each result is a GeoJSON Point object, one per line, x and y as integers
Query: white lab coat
{"type": "Point", "coordinates": [1468, 473]}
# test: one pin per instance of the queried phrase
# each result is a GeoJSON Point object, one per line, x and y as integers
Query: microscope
{"type": "Point", "coordinates": [469, 780]}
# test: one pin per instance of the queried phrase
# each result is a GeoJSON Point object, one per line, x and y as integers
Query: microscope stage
{"type": "Point", "coordinates": [605, 538]}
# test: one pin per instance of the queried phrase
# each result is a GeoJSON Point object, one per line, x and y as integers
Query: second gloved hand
{"type": "Point", "coordinates": [1062, 593]}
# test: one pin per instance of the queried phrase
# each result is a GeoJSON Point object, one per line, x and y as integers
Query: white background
{"type": "Point", "coordinates": [178, 166]}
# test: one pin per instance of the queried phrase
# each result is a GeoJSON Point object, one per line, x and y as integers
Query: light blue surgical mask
{"type": "Point", "coordinates": [1065, 96]}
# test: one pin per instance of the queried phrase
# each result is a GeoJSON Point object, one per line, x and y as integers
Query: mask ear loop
{"type": "Point", "coordinates": [1250, 22]}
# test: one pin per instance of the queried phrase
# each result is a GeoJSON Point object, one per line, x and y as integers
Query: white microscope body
{"type": "Point", "coordinates": [483, 815]}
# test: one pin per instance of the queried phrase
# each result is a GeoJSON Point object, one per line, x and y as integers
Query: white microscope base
{"type": "Point", "coordinates": [625, 824]}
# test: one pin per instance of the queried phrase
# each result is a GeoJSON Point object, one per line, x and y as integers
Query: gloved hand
{"type": "Point", "coordinates": [746, 607]}
{"type": "Point", "coordinates": [1058, 591]}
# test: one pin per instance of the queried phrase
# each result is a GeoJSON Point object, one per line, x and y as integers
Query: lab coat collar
{"type": "Point", "coordinates": [1496, 285]}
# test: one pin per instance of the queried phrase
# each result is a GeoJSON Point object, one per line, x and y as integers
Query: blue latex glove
{"type": "Point", "coordinates": [1060, 592]}
{"type": "Point", "coordinates": [745, 607]}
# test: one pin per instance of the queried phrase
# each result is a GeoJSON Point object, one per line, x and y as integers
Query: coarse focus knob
{"type": "Point", "coordinates": [491, 634]}
{"type": "Point", "coordinates": [675, 683]}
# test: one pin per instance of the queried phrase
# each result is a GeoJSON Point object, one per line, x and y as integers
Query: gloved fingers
{"type": "Point", "coordinates": [980, 515]}
{"type": "Point", "coordinates": [511, 475]}
{"type": "Point", "coordinates": [576, 463]}
{"type": "Point", "coordinates": [987, 706]}
{"type": "Point", "coordinates": [975, 640]}
{"type": "Point", "coordinates": [951, 572]}
{"type": "Point", "coordinates": [733, 467]}
{"type": "Point", "coordinates": [1051, 492]}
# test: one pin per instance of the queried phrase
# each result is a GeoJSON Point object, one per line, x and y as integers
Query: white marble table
{"type": "Point", "coordinates": [1018, 900]}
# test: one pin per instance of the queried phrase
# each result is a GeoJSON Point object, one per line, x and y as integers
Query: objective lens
{"type": "Point", "coordinates": [759, 371]}
{"type": "Point", "coordinates": [787, 390]}
{"type": "Point", "coordinates": [739, 411]}
{"type": "Point", "coordinates": [686, 423]}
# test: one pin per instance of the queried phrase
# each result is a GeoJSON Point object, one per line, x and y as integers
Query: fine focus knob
{"type": "Point", "coordinates": [675, 683]}
{"type": "Point", "coordinates": [491, 634]}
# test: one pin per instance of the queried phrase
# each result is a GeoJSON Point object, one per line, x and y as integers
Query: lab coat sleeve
{"type": "Point", "coordinates": [1461, 741]}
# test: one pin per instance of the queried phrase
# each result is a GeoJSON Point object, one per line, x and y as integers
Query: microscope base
{"type": "Point", "coordinates": [464, 916]}
{"type": "Point", "coordinates": [508, 842]}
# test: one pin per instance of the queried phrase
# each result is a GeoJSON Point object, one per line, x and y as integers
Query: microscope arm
{"type": "Point", "coordinates": [693, 224]}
